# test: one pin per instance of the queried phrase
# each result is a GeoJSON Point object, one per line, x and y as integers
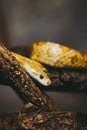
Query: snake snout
{"type": "Point", "coordinates": [48, 83]}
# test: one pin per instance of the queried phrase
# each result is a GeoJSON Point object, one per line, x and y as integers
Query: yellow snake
{"type": "Point", "coordinates": [57, 55]}
{"type": "Point", "coordinates": [52, 54]}
{"type": "Point", "coordinates": [35, 69]}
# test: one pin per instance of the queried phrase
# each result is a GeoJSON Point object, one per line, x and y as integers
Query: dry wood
{"type": "Point", "coordinates": [39, 113]}
{"type": "Point", "coordinates": [21, 81]}
{"type": "Point", "coordinates": [32, 118]}
{"type": "Point", "coordinates": [69, 79]}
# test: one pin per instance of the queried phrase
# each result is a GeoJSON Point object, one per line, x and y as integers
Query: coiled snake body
{"type": "Point", "coordinates": [52, 54]}
{"type": "Point", "coordinates": [58, 55]}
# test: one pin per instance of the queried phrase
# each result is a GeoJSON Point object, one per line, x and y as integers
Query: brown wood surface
{"type": "Point", "coordinates": [39, 113]}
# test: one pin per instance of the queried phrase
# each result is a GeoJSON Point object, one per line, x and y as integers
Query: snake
{"type": "Point", "coordinates": [33, 68]}
{"type": "Point", "coordinates": [52, 54]}
{"type": "Point", "coordinates": [58, 55]}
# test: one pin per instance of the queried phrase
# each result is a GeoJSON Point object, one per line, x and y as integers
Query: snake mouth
{"type": "Point", "coordinates": [46, 83]}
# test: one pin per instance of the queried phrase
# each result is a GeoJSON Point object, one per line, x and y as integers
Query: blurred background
{"type": "Point", "coordinates": [25, 21]}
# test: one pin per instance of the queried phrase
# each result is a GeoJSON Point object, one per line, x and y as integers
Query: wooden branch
{"type": "Point", "coordinates": [39, 113]}
{"type": "Point", "coordinates": [21, 81]}
{"type": "Point", "coordinates": [33, 119]}
{"type": "Point", "coordinates": [68, 79]}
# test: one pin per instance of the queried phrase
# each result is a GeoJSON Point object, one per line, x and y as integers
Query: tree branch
{"type": "Point", "coordinates": [32, 118]}
{"type": "Point", "coordinates": [68, 79]}
{"type": "Point", "coordinates": [39, 113]}
{"type": "Point", "coordinates": [21, 81]}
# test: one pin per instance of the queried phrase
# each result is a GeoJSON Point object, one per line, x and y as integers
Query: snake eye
{"type": "Point", "coordinates": [41, 76]}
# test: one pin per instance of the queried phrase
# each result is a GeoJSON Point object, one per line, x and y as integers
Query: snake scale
{"type": "Point", "coordinates": [52, 54]}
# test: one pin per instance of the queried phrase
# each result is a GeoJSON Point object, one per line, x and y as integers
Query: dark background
{"type": "Point", "coordinates": [25, 21]}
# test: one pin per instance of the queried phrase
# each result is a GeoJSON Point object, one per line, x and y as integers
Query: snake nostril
{"type": "Point", "coordinates": [48, 83]}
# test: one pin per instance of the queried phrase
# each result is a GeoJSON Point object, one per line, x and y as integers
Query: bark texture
{"type": "Point", "coordinates": [69, 79]}
{"type": "Point", "coordinates": [21, 81]}
{"type": "Point", "coordinates": [39, 113]}
{"type": "Point", "coordinates": [32, 118]}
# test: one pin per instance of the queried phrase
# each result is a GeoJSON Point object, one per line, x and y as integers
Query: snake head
{"type": "Point", "coordinates": [41, 77]}
{"type": "Point", "coordinates": [44, 79]}
{"type": "Point", "coordinates": [34, 69]}
{"type": "Point", "coordinates": [37, 74]}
